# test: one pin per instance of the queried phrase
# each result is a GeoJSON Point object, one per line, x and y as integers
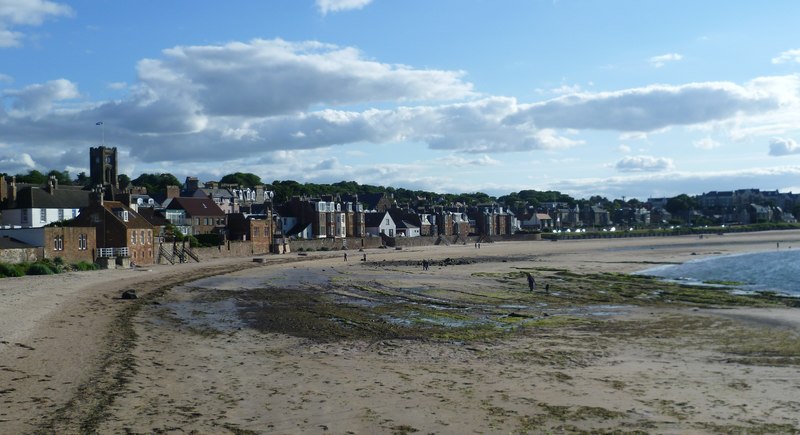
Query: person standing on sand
{"type": "Point", "coordinates": [531, 281]}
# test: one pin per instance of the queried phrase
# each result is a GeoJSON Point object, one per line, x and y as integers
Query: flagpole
{"type": "Point", "coordinates": [102, 131]}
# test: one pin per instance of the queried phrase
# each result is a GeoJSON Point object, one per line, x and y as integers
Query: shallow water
{"type": "Point", "coordinates": [758, 271]}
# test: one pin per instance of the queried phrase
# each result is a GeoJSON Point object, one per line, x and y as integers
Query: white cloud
{"type": "Point", "coordinates": [16, 164]}
{"type": "Point", "coordinates": [659, 106]}
{"type": "Point", "coordinates": [459, 161]}
{"type": "Point", "coordinates": [37, 100]}
{"type": "Point", "coordinates": [26, 13]}
{"type": "Point", "coordinates": [644, 164]}
{"type": "Point", "coordinates": [625, 149]}
{"type": "Point", "coordinates": [788, 56]}
{"type": "Point", "coordinates": [269, 77]}
{"type": "Point", "coordinates": [783, 146]}
{"type": "Point", "coordinates": [706, 143]}
{"type": "Point", "coordinates": [326, 6]}
{"type": "Point", "coordinates": [661, 60]}
{"type": "Point", "coordinates": [644, 185]}
{"type": "Point", "coordinates": [4, 78]}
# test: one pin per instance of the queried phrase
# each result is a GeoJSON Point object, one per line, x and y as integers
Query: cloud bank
{"type": "Point", "coordinates": [15, 13]}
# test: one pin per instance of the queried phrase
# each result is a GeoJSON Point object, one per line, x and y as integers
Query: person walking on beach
{"type": "Point", "coordinates": [531, 281]}
{"type": "Point", "coordinates": [345, 256]}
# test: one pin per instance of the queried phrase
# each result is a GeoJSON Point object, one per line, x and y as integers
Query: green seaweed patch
{"type": "Point", "coordinates": [756, 428]}
{"type": "Point", "coordinates": [762, 346]}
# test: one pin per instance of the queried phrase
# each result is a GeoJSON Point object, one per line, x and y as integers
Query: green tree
{"type": "Point", "coordinates": [63, 178]}
{"type": "Point", "coordinates": [82, 179]}
{"type": "Point", "coordinates": [32, 177]}
{"type": "Point", "coordinates": [123, 180]}
{"type": "Point", "coordinates": [156, 182]}
{"type": "Point", "coordinates": [242, 179]}
{"type": "Point", "coordinates": [680, 204]}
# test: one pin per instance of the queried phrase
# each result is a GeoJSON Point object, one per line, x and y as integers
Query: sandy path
{"type": "Point", "coordinates": [53, 332]}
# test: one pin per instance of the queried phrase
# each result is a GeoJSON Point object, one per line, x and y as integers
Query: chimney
{"type": "Point", "coordinates": [192, 184]}
{"type": "Point", "coordinates": [14, 188]}
{"type": "Point", "coordinates": [52, 184]}
{"type": "Point", "coordinates": [173, 192]}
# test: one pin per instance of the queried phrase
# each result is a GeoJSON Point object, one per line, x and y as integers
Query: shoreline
{"type": "Point", "coordinates": [45, 377]}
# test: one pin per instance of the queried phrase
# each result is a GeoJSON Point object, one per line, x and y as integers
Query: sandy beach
{"type": "Point", "coordinates": [313, 344]}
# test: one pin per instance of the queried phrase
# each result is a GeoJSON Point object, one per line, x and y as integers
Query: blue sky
{"type": "Point", "coordinates": [614, 98]}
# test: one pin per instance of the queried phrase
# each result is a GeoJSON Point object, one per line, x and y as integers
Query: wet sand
{"type": "Point", "coordinates": [74, 357]}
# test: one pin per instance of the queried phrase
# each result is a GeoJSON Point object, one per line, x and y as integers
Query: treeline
{"type": "Point", "coordinates": [285, 189]}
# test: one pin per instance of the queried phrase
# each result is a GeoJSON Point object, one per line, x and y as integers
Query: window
{"type": "Point", "coordinates": [74, 212]}
{"type": "Point", "coordinates": [255, 232]}
{"type": "Point", "coordinates": [133, 237]}
{"type": "Point", "coordinates": [61, 214]}
{"type": "Point", "coordinates": [142, 240]}
{"type": "Point", "coordinates": [23, 217]}
{"type": "Point", "coordinates": [43, 215]}
{"type": "Point", "coordinates": [58, 243]}
{"type": "Point", "coordinates": [83, 242]}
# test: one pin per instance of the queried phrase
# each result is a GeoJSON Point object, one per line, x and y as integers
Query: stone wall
{"type": "Point", "coordinates": [20, 255]}
{"type": "Point", "coordinates": [235, 248]}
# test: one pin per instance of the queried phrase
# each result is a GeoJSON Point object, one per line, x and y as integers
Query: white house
{"type": "Point", "coordinates": [35, 206]}
{"type": "Point", "coordinates": [380, 223]}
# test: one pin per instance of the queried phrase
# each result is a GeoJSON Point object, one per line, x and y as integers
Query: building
{"type": "Point", "coordinates": [122, 233]}
{"type": "Point", "coordinates": [27, 206]}
{"type": "Point", "coordinates": [195, 215]}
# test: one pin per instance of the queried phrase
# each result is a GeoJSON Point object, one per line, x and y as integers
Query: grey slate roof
{"type": "Point", "coordinates": [62, 197]}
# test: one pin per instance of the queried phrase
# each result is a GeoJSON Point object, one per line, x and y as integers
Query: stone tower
{"type": "Point", "coordinates": [103, 166]}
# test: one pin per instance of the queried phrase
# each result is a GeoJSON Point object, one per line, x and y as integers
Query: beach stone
{"type": "Point", "coordinates": [129, 294]}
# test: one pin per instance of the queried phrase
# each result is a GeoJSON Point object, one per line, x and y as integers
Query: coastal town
{"type": "Point", "coordinates": [116, 225]}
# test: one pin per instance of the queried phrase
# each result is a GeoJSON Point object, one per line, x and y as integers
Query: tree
{"type": "Point", "coordinates": [82, 179]}
{"type": "Point", "coordinates": [242, 179]}
{"type": "Point", "coordinates": [123, 180]}
{"type": "Point", "coordinates": [680, 204]}
{"type": "Point", "coordinates": [63, 178]}
{"type": "Point", "coordinates": [32, 177]}
{"type": "Point", "coordinates": [156, 182]}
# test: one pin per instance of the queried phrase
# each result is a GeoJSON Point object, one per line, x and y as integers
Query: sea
{"type": "Point", "coordinates": [777, 271]}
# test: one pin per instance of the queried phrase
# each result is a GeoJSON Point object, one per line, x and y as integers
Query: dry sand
{"type": "Point", "coordinates": [74, 357]}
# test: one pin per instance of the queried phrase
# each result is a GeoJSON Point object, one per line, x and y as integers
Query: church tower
{"type": "Point", "coordinates": [103, 166]}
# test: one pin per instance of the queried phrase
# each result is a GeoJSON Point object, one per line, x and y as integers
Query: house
{"type": "Point", "coordinates": [195, 215]}
{"type": "Point", "coordinates": [378, 223]}
{"type": "Point", "coordinates": [257, 229]}
{"type": "Point", "coordinates": [325, 217]}
{"type": "Point", "coordinates": [27, 206]}
{"type": "Point", "coordinates": [408, 222]}
{"type": "Point", "coordinates": [376, 201]}
{"type": "Point", "coordinates": [533, 220]}
{"type": "Point", "coordinates": [121, 232]}
{"type": "Point", "coordinates": [156, 219]}
{"type": "Point", "coordinates": [71, 244]}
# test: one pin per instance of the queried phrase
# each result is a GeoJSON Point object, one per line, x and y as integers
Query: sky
{"type": "Point", "coordinates": [633, 99]}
